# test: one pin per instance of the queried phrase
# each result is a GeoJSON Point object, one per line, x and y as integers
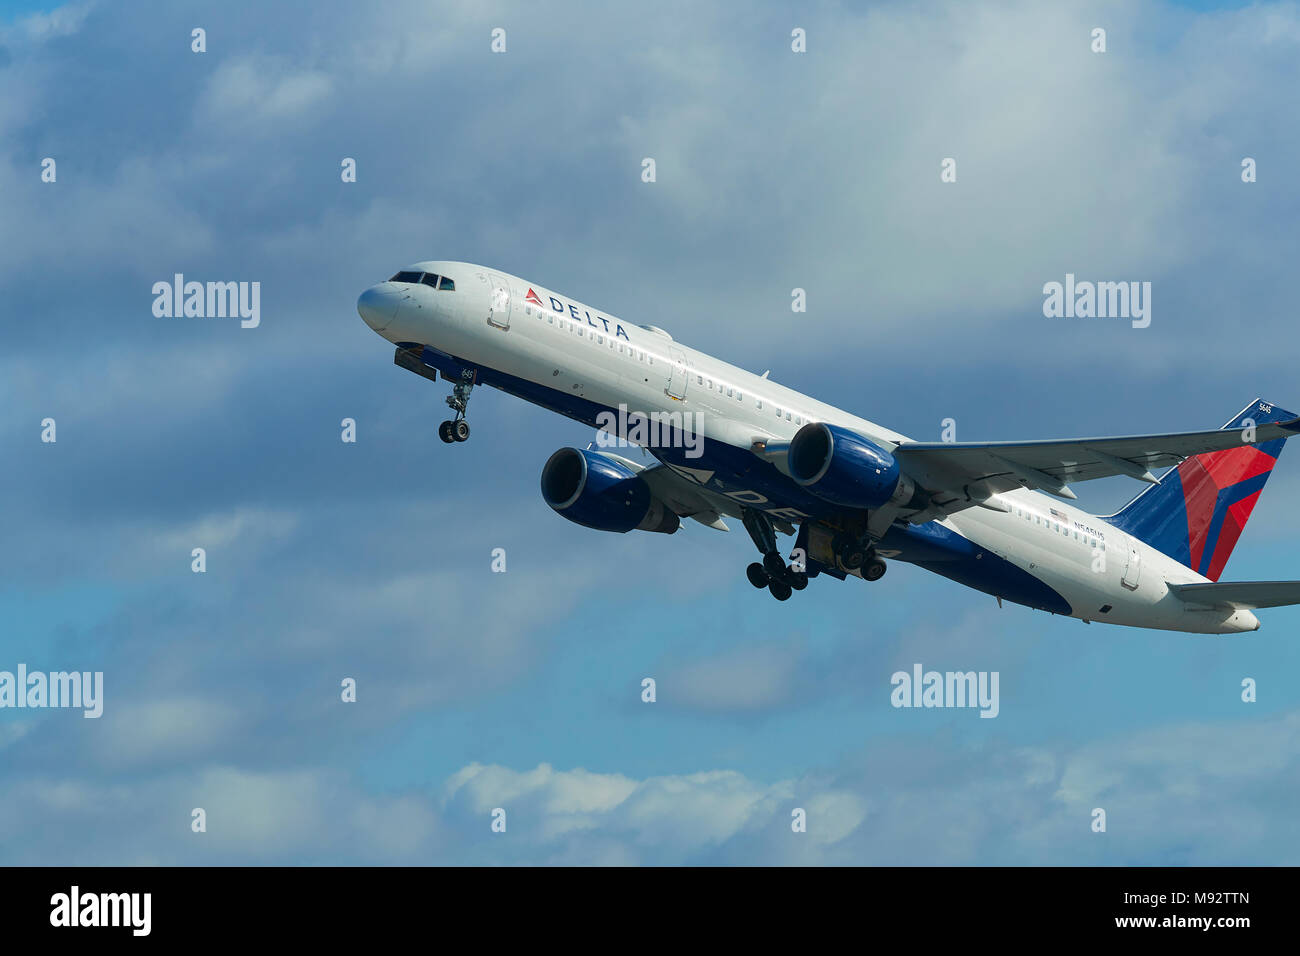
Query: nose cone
{"type": "Point", "coordinates": [378, 305]}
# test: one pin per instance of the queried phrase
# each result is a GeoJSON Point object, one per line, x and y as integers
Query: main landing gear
{"type": "Point", "coordinates": [772, 573]}
{"type": "Point", "coordinates": [853, 554]}
{"type": "Point", "coordinates": [457, 429]}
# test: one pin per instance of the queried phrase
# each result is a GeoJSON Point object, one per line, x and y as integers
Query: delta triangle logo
{"type": "Point", "coordinates": [532, 297]}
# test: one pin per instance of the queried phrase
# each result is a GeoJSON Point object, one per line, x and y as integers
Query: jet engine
{"type": "Point", "coordinates": [846, 469]}
{"type": "Point", "coordinates": [601, 492]}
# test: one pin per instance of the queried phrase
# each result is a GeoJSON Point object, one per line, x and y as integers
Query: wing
{"type": "Point", "coordinates": [1240, 594]}
{"type": "Point", "coordinates": [682, 490]}
{"type": "Point", "coordinates": [685, 497]}
{"type": "Point", "coordinates": [960, 475]}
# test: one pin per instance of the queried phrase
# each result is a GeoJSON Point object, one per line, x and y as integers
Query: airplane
{"type": "Point", "coordinates": [994, 516]}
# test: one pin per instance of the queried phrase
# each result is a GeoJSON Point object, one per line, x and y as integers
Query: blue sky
{"type": "Point", "coordinates": [372, 560]}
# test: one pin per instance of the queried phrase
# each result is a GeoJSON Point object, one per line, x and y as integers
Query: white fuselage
{"type": "Point", "coordinates": [556, 343]}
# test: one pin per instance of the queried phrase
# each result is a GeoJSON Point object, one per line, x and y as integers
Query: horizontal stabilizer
{"type": "Point", "coordinates": [1240, 594]}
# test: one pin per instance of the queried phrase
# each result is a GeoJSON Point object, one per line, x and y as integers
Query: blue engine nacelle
{"type": "Point", "coordinates": [601, 492]}
{"type": "Point", "coordinates": [846, 469]}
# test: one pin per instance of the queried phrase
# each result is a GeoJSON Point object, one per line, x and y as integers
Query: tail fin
{"type": "Point", "coordinates": [1196, 512]}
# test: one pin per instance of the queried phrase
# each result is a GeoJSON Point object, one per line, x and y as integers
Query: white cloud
{"type": "Point", "coordinates": [60, 22]}
{"type": "Point", "coordinates": [1178, 794]}
{"type": "Point", "coordinates": [262, 525]}
{"type": "Point", "coordinates": [253, 91]}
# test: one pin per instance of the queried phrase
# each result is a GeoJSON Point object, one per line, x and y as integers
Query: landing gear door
{"type": "Point", "coordinates": [678, 377]}
{"type": "Point", "coordinates": [1132, 564]}
{"type": "Point", "coordinates": [498, 301]}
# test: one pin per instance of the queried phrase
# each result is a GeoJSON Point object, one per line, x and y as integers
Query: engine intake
{"type": "Point", "coordinates": [846, 469]}
{"type": "Point", "coordinates": [597, 491]}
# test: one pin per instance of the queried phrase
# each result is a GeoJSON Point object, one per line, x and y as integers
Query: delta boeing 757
{"type": "Point", "coordinates": [994, 516]}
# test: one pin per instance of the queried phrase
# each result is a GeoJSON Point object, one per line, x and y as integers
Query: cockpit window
{"type": "Point", "coordinates": [426, 278]}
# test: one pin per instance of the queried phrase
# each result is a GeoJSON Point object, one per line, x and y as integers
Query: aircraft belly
{"type": "Point", "coordinates": [937, 548]}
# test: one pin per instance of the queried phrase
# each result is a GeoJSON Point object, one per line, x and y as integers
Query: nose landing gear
{"type": "Point", "coordinates": [457, 429]}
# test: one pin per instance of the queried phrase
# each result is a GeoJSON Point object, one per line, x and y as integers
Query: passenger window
{"type": "Point", "coordinates": [700, 379]}
{"type": "Point", "coordinates": [778, 413]}
{"type": "Point", "coordinates": [728, 391]}
{"type": "Point", "coordinates": [760, 404]}
{"type": "Point", "coordinates": [787, 416]}
{"type": "Point", "coordinates": [798, 420]}
{"type": "Point", "coordinates": [740, 397]}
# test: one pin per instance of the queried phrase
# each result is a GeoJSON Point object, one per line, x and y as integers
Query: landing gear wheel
{"type": "Point", "coordinates": [874, 570]}
{"type": "Point", "coordinates": [444, 432]}
{"type": "Point", "coordinates": [460, 430]}
{"type": "Point", "coordinates": [798, 581]}
{"type": "Point", "coordinates": [780, 590]}
{"type": "Point", "coordinates": [849, 553]}
{"type": "Point", "coordinates": [774, 566]}
{"type": "Point", "coordinates": [757, 576]}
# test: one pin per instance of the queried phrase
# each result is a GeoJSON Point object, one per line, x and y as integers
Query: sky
{"type": "Point", "coordinates": [372, 560]}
